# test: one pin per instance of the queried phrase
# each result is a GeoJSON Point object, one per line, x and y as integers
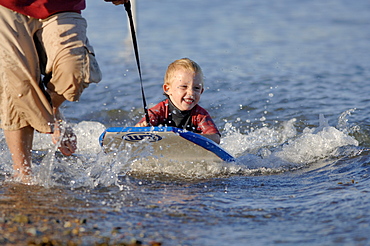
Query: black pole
{"type": "Point", "coordinates": [136, 50]}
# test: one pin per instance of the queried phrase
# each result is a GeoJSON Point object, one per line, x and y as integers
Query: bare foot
{"type": "Point", "coordinates": [23, 176]}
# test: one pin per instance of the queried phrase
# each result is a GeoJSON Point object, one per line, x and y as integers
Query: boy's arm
{"type": "Point", "coordinates": [206, 125]}
{"type": "Point", "coordinates": [156, 116]}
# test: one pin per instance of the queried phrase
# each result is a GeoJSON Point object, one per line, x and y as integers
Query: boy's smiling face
{"type": "Point", "coordinates": [184, 89]}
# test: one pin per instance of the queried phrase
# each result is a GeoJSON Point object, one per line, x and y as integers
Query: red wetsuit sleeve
{"type": "Point", "coordinates": [203, 121]}
{"type": "Point", "coordinates": [157, 114]}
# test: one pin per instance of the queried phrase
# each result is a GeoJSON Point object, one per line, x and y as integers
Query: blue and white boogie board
{"type": "Point", "coordinates": [167, 142]}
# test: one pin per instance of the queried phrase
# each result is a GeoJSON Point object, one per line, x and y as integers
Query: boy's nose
{"type": "Point", "coordinates": [190, 91]}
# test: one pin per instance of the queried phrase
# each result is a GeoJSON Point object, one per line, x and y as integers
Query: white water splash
{"type": "Point", "coordinates": [5, 157]}
{"type": "Point", "coordinates": [262, 151]}
{"type": "Point", "coordinates": [271, 150]}
{"type": "Point", "coordinates": [315, 144]}
{"type": "Point", "coordinates": [260, 139]}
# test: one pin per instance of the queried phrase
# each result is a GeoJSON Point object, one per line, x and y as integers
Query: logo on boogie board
{"type": "Point", "coordinates": [136, 137]}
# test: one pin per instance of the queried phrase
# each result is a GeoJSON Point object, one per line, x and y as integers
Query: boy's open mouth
{"type": "Point", "coordinates": [188, 100]}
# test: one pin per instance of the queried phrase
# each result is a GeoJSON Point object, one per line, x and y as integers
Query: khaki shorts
{"type": "Point", "coordinates": [30, 48]}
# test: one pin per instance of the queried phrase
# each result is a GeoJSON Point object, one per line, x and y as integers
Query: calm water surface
{"type": "Point", "coordinates": [287, 84]}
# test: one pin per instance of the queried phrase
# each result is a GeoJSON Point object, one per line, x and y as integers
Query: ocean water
{"type": "Point", "coordinates": [287, 83]}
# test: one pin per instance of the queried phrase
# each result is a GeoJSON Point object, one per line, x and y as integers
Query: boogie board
{"type": "Point", "coordinates": [169, 143]}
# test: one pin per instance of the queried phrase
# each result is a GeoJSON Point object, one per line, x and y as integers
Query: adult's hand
{"type": "Point", "coordinates": [118, 2]}
{"type": "Point", "coordinates": [67, 141]}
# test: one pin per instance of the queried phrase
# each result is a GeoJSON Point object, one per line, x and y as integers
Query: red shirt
{"type": "Point", "coordinates": [200, 118]}
{"type": "Point", "coordinates": [42, 9]}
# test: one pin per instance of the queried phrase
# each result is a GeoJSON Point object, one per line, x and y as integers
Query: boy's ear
{"type": "Point", "coordinates": [166, 88]}
{"type": "Point", "coordinates": [202, 91]}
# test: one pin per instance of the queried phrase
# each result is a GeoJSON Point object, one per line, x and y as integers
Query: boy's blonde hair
{"type": "Point", "coordinates": [186, 64]}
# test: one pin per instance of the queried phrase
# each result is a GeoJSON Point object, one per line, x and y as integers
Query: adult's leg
{"type": "Point", "coordinates": [23, 105]}
{"type": "Point", "coordinates": [20, 146]}
{"type": "Point", "coordinates": [22, 102]}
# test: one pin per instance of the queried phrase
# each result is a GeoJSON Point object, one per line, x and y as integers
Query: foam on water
{"type": "Point", "coordinates": [315, 144]}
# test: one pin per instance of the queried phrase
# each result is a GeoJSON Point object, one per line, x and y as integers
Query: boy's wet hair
{"type": "Point", "coordinates": [184, 63]}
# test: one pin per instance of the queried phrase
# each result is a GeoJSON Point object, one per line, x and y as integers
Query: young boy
{"type": "Point", "coordinates": [183, 85]}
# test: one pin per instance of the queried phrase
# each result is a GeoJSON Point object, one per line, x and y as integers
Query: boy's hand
{"type": "Point", "coordinates": [118, 2]}
{"type": "Point", "coordinates": [142, 124]}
